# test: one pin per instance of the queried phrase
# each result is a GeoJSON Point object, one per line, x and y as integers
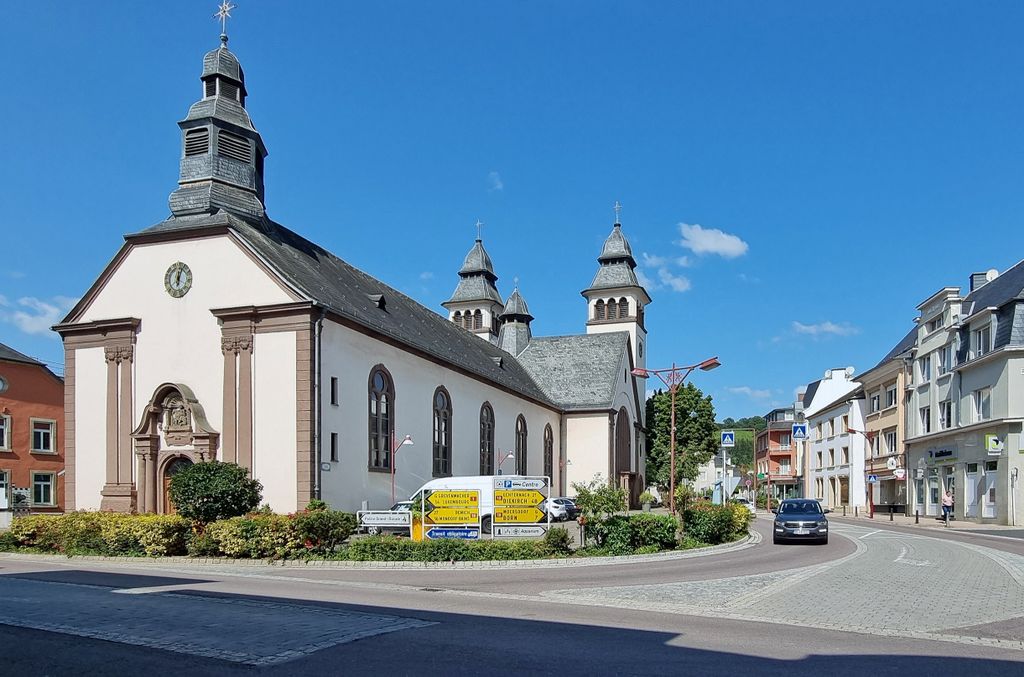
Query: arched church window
{"type": "Point", "coordinates": [457, 318]}
{"type": "Point", "coordinates": [486, 440]}
{"type": "Point", "coordinates": [478, 319]}
{"type": "Point", "coordinates": [549, 452]}
{"type": "Point", "coordinates": [623, 307]}
{"type": "Point", "coordinates": [521, 450]}
{"type": "Point", "coordinates": [382, 418]}
{"type": "Point", "coordinates": [599, 310]}
{"type": "Point", "coordinates": [442, 433]}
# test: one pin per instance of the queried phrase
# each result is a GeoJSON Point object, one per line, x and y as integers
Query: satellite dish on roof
{"type": "Point", "coordinates": [849, 371]}
{"type": "Point", "coordinates": [992, 274]}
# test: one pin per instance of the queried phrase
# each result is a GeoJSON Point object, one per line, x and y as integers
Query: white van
{"type": "Point", "coordinates": [482, 483]}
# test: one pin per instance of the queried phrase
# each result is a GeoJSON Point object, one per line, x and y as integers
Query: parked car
{"type": "Point", "coordinates": [745, 503]}
{"type": "Point", "coordinates": [572, 511]}
{"type": "Point", "coordinates": [400, 506]}
{"type": "Point", "coordinates": [556, 510]}
{"type": "Point", "coordinates": [800, 519]}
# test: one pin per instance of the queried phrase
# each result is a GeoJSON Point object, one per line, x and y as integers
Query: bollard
{"type": "Point", "coordinates": [890, 513]}
{"type": "Point", "coordinates": [844, 511]}
{"type": "Point", "coordinates": [855, 511]}
{"type": "Point", "coordinates": [917, 517]}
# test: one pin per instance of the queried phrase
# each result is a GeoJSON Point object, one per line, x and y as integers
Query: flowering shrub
{"type": "Point", "coordinates": [104, 533]}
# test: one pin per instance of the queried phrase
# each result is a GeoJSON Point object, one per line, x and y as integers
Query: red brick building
{"type": "Point", "coordinates": [31, 434]}
{"type": "Point", "coordinates": [775, 455]}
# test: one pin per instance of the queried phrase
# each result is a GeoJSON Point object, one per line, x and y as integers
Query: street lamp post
{"type": "Point", "coordinates": [394, 462]}
{"type": "Point", "coordinates": [673, 378]}
{"type": "Point", "coordinates": [504, 458]}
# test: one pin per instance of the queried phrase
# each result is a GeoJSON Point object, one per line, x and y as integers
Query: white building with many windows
{"type": "Point", "coordinates": [966, 400]}
{"type": "Point", "coordinates": [834, 412]}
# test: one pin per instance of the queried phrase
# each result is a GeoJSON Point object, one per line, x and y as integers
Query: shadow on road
{"type": "Point", "coordinates": [457, 643]}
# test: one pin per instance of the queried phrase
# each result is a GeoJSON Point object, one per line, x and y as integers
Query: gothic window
{"type": "Point", "coordinates": [521, 445]}
{"type": "Point", "coordinates": [478, 320]}
{"type": "Point", "coordinates": [623, 307]}
{"type": "Point", "coordinates": [549, 452]}
{"type": "Point", "coordinates": [382, 418]}
{"type": "Point", "coordinates": [486, 440]}
{"type": "Point", "coordinates": [442, 433]}
{"type": "Point", "coordinates": [599, 310]}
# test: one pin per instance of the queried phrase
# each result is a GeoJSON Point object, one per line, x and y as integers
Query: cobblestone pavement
{"type": "Point", "coordinates": [893, 584]}
{"type": "Point", "coordinates": [250, 632]}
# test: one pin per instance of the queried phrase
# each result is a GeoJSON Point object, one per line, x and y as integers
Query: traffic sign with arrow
{"type": "Point", "coordinates": [517, 515]}
{"type": "Point", "coordinates": [451, 499]}
{"type": "Point", "coordinates": [521, 497]}
{"type": "Point", "coordinates": [464, 533]}
{"type": "Point", "coordinates": [453, 515]}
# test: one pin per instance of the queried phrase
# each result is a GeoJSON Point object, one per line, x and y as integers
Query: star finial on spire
{"type": "Point", "coordinates": [224, 13]}
{"type": "Point", "coordinates": [618, 212]}
{"type": "Point", "coordinates": [479, 230]}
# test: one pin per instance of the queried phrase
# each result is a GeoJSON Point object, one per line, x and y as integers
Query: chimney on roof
{"type": "Point", "coordinates": [979, 280]}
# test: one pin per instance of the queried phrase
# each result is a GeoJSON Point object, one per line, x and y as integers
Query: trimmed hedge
{"type": "Point", "coordinates": [103, 533]}
{"type": "Point", "coordinates": [394, 549]}
{"type": "Point", "coordinates": [637, 534]}
{"type": "Point", "coordinates": [715, 524]}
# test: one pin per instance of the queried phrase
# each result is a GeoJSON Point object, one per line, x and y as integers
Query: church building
{"type": "Point", "coordinates": [221, 334]}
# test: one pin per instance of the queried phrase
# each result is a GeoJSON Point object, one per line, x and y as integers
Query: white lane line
{"type": "Point", "coordinates": [154, 589]}
{"type": "Point", "coordinates": [870, 533]}
{"type": "Point", "coordinates": [912, 562]}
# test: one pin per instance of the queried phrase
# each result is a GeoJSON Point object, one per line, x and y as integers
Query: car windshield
{"type": "Point", "coordinates": [800, 506]}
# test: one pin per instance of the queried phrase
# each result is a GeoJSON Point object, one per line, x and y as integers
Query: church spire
{"type": "Point", "coordinates": [515, 319]}
{"type": "Point", "coordinates": [222, 153]}
{"type": "Point", "coordinates": [476, 303]}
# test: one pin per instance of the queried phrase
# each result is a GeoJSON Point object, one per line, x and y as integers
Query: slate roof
{"type": "Point", "coordinates": [812, 388]}
{"type": "Point", "coordinates": [905, 344]}
{"type": "Point", "coordinates": [347, 291]}
{"type": "Point", "coordinates": [616, 247]}
{"type": "Point", "coordinates": [577, 372]}
{"type": "Point", "coordinates": [8, 354]}
{"type": "Point", "coordinates": [222, 61]}
{"type": "Point", "coordinates": [1008, 286]}
{"type": "Point", "coordinates": [475, 288]}
{"type": "Point", "coordinates": [478, 261]}
{"type": "Point", "coordinates": [515, 308]}
{"type": "Point", "coordinates": [610, 276]}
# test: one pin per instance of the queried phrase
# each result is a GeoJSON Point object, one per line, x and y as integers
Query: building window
{"type": "Point", "coordinates": [334, 447]}
{"type": "Point", "coordinates": [926, 420]}
{"type": "Point", "coordinates": [784, 466]}
{"type": "Point", "coordinates": [5, 433]}
{"type": "Point", "coordinates": [521, 464]}
{"type": "Point", "coordinates": [42, 488]}
{"type": "Point", "coordinates": [549, 452]}
{"type": "Point", "coordinates": [819, 460]}
{"type": "Point", "coordinates": [982, 404]}
{"type": "Point", "coordinates": [945, 359]}
{"type": "Point", "coordinates": [43, 433]}
{"type": "Point", "coordinates": [478, 319]}
{"type": "Point", "coordinates": [924, 368]}
{"type": "Point", "coordinates": [442, 433]}
{"type": "Point", "coordinates": [933, 324]}
{"type": "Point", "coordinates": [876, 403]}
{"type": "Point", "coordinates": [599, 310]}
{"type": "Point", "coordinates": [844, 456]}
{"type": "Point", "coordinates": [876, 446]}
{"type": "Point", "coordinates": [890, 397]}
{"type": "Point", "coordinates": [831, 457]}
{"type": "Point", "coordinates": [845, 424]}
{"type": "Point", "coordinates": [334, 390]}
{"type": "Point", "coordinates": [382, 418]}
{"type": "Point", "coordinates": [817, 432]}
{"type": "Point", "coordinates": [983, 340]}
{"type": "Point", "coordinates": [784, 441]}
{"type": "Point", "coordinates": [623, 308]}
{"type": "Point", "coordinates": [486, 440]}
{"type": "Point", "coordinates": [890, 442]}
{"type": "Point", "coordinates": [945, 415]}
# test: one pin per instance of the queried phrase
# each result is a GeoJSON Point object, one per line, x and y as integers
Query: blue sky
{"type": "Point", "coordinates": [796, 177]}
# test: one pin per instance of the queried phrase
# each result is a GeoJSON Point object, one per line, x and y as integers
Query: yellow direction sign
{"type": "Point", "coordinates": [453, 516]}
{"type": "Point", "coordinates": [520, 497]}
{"type": "Point", "coordinates": [517, 515]}
{"type": "Point", "coordinates": [454, 498]}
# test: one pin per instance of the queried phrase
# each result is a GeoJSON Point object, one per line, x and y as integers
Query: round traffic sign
{"type": "Point", "coordinates": [749, 483]}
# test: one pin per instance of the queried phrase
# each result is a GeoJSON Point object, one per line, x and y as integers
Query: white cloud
{"type": "Point", "coordinates": [426, 275]}
{"type": "Point", "coordinates": [494, 179]}
{"type": "Point", "coordinates": [653, 261]}
{"type": "Point", "coordinates": [672, 281]}
{"type": "Point", "coordinates": [34, 316]}
{"type": "Point", "coordinates": [3, 300]}
{"type": "Point", "coordinates": [683, 262]}
{"type": "Point", "coordinates": [702, 241]}
{"type": "Point", "coordinates": [752, 393]}
{"type": "Point", "coordinates": [14, 274]}
{"type": "Point", "coordinates": [825, 328]}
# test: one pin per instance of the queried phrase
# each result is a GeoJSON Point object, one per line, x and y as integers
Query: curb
{"type": "Point", "coordinates": [752, 539]}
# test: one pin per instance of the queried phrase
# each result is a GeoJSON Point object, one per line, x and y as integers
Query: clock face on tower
{"type": "Point", "coordinates": [178, 280]}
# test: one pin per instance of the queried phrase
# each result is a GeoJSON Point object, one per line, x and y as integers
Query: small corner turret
{"type": "Point", "coordinates": [475, 305]}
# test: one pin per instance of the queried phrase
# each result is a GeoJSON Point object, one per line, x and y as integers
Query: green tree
{"type": "Point", "coordinates": [210, 491]}
{"type": "Point", "coordinates": [742, 454]}
{"type": "Point", "coordinates": [697, 434]}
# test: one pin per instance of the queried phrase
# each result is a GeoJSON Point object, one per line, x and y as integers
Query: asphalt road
{"type": "Point", "coordinates": [874, 601]}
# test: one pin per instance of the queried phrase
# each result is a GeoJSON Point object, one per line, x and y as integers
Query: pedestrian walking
{"type": "Point", "coordinates": [947, 506]}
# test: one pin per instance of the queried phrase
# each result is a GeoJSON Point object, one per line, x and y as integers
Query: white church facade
{"type": "Point", "coordinates": [220, 334]}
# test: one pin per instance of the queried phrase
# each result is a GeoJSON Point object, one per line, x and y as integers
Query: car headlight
{"type": "Point", "coordinates": [823, 524]}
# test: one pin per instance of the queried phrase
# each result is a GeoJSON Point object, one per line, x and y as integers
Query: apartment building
{"type": "Point", "coordinates": [775, 455]}
{"type": "Point", "coordinates": [835, 456]}
{"type": "Point", "coordinates": [885, 463]}
{"type": "Point", "coordinates": [966, 401]}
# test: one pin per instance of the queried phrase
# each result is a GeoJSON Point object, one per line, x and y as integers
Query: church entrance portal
{"type": "Point", "coordinates": [174, 467]}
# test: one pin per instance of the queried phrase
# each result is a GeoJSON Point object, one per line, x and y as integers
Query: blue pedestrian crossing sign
{"type": "Point", "coordinates": [799, 431]}
{"type": "Point", "coordinates": [728, 438]}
